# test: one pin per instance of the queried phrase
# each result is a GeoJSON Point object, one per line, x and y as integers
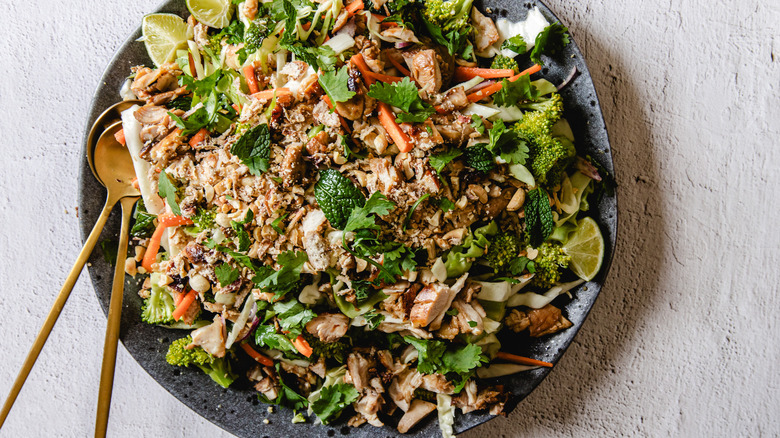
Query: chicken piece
{"type": "Point", "coordinates": [454, 99]}
{"type": "Point", "coordinates": [267, 381]}
{"type": "Point", "coordinates": [164, 150]}
{"type": "Point", "coordinates": [211, 338]}
{"type": "Point", "coordinates": [401, 33]}
{"type": "Point", "coordinates": [485, 30]}
{"type": "Point", "coordinates": [492, 398]}
{"type": "Point", "coordinates": [295, 70]}
{"type": "Point", "coordinates": [469, 317]}
{"type": "Point", "coordinates": [393, 366]}
{"type": "Point", "coordinates": [437, 383]}
{"type": "Point", "coordinates": [371, 54]}
{"type": "Point", "coordinates": [368, 405]}
{"type": "Point", "coordinates": [292, 164]}
{"type": "Point", "coordinates": [454, 128]}
{"type": "Point", "coordinates": [539, 322]}
{"type": "Point", "coordinates": [402, 388]}
{"type": "Point", "coordinates": [386, 176]}
{"type": "Point", "coordinates": [358, 368]}
{"type": "Point", "coordinates": [150, 114]}
{"type": "Point", "coordinates": [424, 68]}
{"type": "Point", "coordinates": [353, 108]}
{"type": "Point", "coordinates": [318, 367]}
{"type": "Point", "coordinates": [328, 327]}
{"type": "Point", "coordinates": [418, 410]}
{"type": "Point", "coordinates": [305, 378]}
{"type": "Point", "coordinates": [432, 300]}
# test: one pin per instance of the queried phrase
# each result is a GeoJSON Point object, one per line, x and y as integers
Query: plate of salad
{"type": "Point", "coordinates": [357, 216]}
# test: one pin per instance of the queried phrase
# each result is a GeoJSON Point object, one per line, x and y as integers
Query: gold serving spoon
{"type": "Point", "coordinates": [113, 169]}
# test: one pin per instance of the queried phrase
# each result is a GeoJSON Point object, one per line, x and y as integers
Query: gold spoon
{"type": "Point", "coordinates": [107, 118]}
{"type": "Point", "coordinates": [112, 155]}
{"type": "Point", "coordinates": [114, 169]}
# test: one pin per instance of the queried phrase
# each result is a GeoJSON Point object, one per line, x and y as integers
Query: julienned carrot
{"type": "Point", "coordinates": [353, 7]}
{"type": "Point", "coordinates": [150, 256]}
{"type": "Point", "coordinates": [492, 89]}
{"type": "Point", "coordinates": [185, 304]}
{"type": "Point", "coordinates": [257, 356]}
{"type": "Point", "coordinates": [404, 71]}
{"type": "Point", "coordinates": [384, 78]}
{"type": "Point", "coordinates": [199, 137]}
{"type": "Point", "coordinates": [344, 124]}
{"type": "Point", "coordinates": [387, 118]}
{"type": "Point", "coordinates": [380, 18]}
{"type": "Point", "coordinates": [522, 360]}
{"type": "Point", "coordinates": [171, 220]}
{"type": "Point", "coordinates": [179, 297]}
{"type": "Point", "coordinates": [269, 94]}
{"type": "Point", "coordinates": [302, 346]}
{"type": "Point", "coordinates": [120, 137]}
{"type": "Point", "coordinates": [193, 72]}
{"type": "Point", "coordinates": [251, 79]}
{"type": "Point", "coordinates": [466, 73]}
{"type": "Point", "coordinates": [360, 63]}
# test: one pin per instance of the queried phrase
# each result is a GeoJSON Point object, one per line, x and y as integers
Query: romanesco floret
{"type": "Point", "coordinates": [503, 248]}
{"type": "Point", "coordinates": [448, 14]}
{"type": "Point", "coordinates": [501, 61]}
{"type": "Point", "coordinates": [548, 156]}
{"type": "Point", "coordinates": [218, 368]}
{"type": "Point", "coordinates": [159, 307]}
{"type": "Point", "coordinates": [548, 265]}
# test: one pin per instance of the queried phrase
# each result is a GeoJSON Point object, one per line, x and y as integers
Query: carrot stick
{"type": "Point", "coordinates": [404, 71]}
{"type": "Point", "coordinates": [192, 65]}
{"type": "Point", "coordinates": [387, 118]}
{"type": "Point", "coordinates": [257, 356]}
{"type": "Point", "coordinates": [361, 65]}
{"type": "Point", "coordinates": [384, 78]}
{"type": "Point", "coordinates": [199, 137]}
{"type": "Point", "coordinates": [185, 304]}
{"type": "Point", "coordinates": [344, 124]}
{"type": "Point", "coordinates": [171, 220]}
{"type": "Point", "coordinates": [492, 89]}
{"type": "Point", "coordinates": [354, 7]}
{"type": "Point", "coordinates": [466, 73]}
{"type": "Point", "coordinates": [150, 256]}
{"type": "Point", "coordinates": [251, 79]}
{"type": "Point", "coordinates": [380, 18]}
{"type": "Point", "coordinates": [237, 108]}
{"type": "Point", "coordinates": [179, 297]}
{"type": "Point", "coordinates": [302, 346]}
{"type": "Point", "coordinates": [120, 137]}
{"type": "Point", "coordinates": [269, 94]}
{"type": "Point", "coordinates": [522, 360]}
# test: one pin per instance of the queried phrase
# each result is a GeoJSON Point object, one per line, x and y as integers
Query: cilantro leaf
{"type": "Point", "coordinates": [242, 259]}
{"type": "Point", "coordinates": [463, 360]}
{"type": "Point", "coordinates": [337, 196]}
{"type": "Point", "coordinates": [286, 278]}
{"type": "Point", "coordinates": [226, 274]}
{"type": "Point", "coordinates": [456, 41]}
{"type": "Point", "coordinates": [429, 354]}
{"type": "Point", "coordinates": [333, 399]}
{"type": "Point", "coordinates": [478, 124]}
{"type": "Point", "coordinates": [446, 205]}
{"type": "Point", "coordinates": [438, 161]}
{"type": "Point", "coordinates": [514, 92]}
{"type": "Point", "coordinates": [516, 44]}
{"type": "Point", "coordinates": [267, 336]}
{"type": "Point", "coordinates": [254, 148]}
{"type": "Point", "coordinates": [404, 95]}
{"type": "Point", "coordinates": [507, 143]}
{"type": "Point", "coordinates": [144, 221]}
{"type": "Point", "coordinates": [361, 217]}
{"type": "Point", "coordinates": [373, 319]}
{"type": "Point", "coordinates": [167, 190]}
{"type": "Point", "coordinates": [549, 42]}
{"type": "Point", "coordinates": [277, 222]}
{"type": "Point", "coordinates": [287, 396]}
{"type": "Point", "coordinates": [243, 237]}
{"type": "Point", "coordinates": [335, 84]}
{"type": "Point", "coordinates": [292, 316]}
{"type": "Point", "coordinates": [538, 216]}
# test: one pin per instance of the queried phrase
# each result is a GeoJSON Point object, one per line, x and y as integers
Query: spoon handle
{"type": "Point", "coordinates": [54, 313]}
{"type": "Point", "coordinates": [114, 319]}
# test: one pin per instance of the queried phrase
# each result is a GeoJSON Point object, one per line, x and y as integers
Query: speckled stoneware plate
{"type": "Point", "coordinates": [237, 409]}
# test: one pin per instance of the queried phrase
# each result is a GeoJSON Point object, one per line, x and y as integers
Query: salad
{"type": "Point", "coordinates": [345, 204]}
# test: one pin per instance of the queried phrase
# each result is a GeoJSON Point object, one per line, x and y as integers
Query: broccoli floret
{"type": "Point", "coordinates": [218, 368]}
{"type": "Point", "coordinates": [548, 265]}
{"type": "Point", "coordinates": [255, 34]}
{"type": "Point", "coordinates": [548, 156]}
{"type": "Point", "coordinates": [204, 219]}
{"type": "Point", "coordinates": [159, 307]}
{"type": "Point", "coordinates": [448, 15]}
{"type": "Point", "coordinates": [501, 61]}
{"type": "Point", "coordinates": [332, 350]}
{"type": "Point", "coordinates": [502, 249]}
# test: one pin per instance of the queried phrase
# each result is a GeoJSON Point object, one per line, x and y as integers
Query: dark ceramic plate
{"type": "Point", "coordinates": [237, 409]}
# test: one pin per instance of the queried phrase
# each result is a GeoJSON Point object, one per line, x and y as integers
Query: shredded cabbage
{"type": "Point", "coordinates": [446, 415]}
{"type": "Point", "coordinates": [501, 369]}
{"type": "Point", "coordinates": [536, 301]}
{"type": "Point", "coordinates": [240, 321]}
{"type": "Point", "coordinates": [459, 259]}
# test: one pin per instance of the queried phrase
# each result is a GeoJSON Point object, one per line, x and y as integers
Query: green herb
{"type": "Point", "coordinates": [549, 42]}
{"type": "Point", "coordinates": [335, 85]}
{"type": "Point", "coordinates": [287, 396]}
{"type": "Point", "coordinates": [539, 221]}
{"type": "Point", "coordinates": [478, 124]}
{"type": "Point", "coordinates": [243, 236]}
{"type": "Point", "coordinates": [362, 289]}
{"type": "Point", "coordinates": [242, 259]}
{"type": "Point", "coordinates": [438, 161]}
{"type": "Point", "coordinates": [204, 219]}
{"type": "Point", "coordinates": [414, 207]}
{"type": "Point", "coordinates": [286, 278]}
{"type": "Point", "coordinates": [514, 92]}
{"type": "Point", "coordinates": [254, 148]}
{"type": "Point", "coordinates": [404, 95]}
{"type": "Point", "coordinates": [277, 222]}
{"type": "Point", "coordinates": [520, 264]}
{"type": "Point", "coordinates": [373, 319]}
{"type": "Point", "coordinates": [167, 190]}
{"type": "Point", "coordinates": [337, 196]}
{"type": "Point", "coordinates": [516, 44]}
{"type": "Point", "coordinates": [322, 57]}
{"type": "Point", "coordinates": [456, 41]}
{"type": "Point", "coordinates": [472, 323]}
{"type": "Point", "coordinates": [446, 205]}
{"type": "Point", "coordinates": [144, 221]}
{"type": "Point", "coordinates": [183, 103]}
{"type": "Point", "coordinates": [110, 248]}
{"type": "Point", "coordinates": [267, 336]}
{"type": "Point", "coordinates": [452, 312]}
{"type": "Point", "coordinates": [507, 143]}
{"type": "Point", "coordinates": [292, 316]}
{"type": "Point", "coordinates": [479, 158]}
{"type": "Point", "coordinates": [226, 274]}
{"type": "Point", "coordinates": [361, 217]}
{"type": "Point", "coordinates": [333, 399]}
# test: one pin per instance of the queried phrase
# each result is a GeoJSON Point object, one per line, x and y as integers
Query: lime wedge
{"type": "Point", "coordinates": [212, 13]}
{"type": "Point", "coordinates": [586, 249]}
{"type": "Point", "coordinates": [163, 35]}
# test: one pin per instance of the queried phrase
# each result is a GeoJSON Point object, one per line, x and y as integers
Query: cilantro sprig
{"type": "Point", "coordinates": [405, 96]}
{"type": "Point", "coordinates": [335, 84]}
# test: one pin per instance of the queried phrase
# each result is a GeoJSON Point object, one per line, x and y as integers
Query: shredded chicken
{"type": "Point", "coordinates": [329, 327]}
{"type": "Point", "coordinates": [539, 322]}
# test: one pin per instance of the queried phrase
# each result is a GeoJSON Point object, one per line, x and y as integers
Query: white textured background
{"type": "Point", "coordinates": [684, 338]}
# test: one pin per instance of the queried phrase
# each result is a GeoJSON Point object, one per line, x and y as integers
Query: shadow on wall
{"type": "Point", "coordinates": [630, 290]}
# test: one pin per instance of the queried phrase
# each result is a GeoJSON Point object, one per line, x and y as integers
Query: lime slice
{"type": "Point", "coordinates": [586, 248]}
{"type": "Point", "coordinates": [212, 13]}
{"type": "Point", "coordinates": [163, 35]}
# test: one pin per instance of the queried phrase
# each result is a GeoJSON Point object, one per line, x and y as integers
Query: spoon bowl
{"type": "Point", "coordinates": [106, 119]}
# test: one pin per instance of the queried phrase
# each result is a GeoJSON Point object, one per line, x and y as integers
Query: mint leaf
{"type": "Point", "coordinates": [516, 44]}
{"type": "Point", "coordinates": [438, 161]}
{"type": "Point", "coordinates": [167, 190]}
{"type": "Point", "coordinates": [333, 399]}
{"type": "Point", "coordinates": [337, 196]}
{"type": "Point", "coordinates": [254, 148]}
{"type": "Point", "coordinates": [478, 157]}
{"type": "Point", "coordinates": [226, 274]}
{"type": "Point", "coordinates": [549, 42]}
{"type": "Point", "coordinates": [539, 221]}
{"type": "Point", "coordinates": [335, 84]}
{"type": "Point", "coordinates": [514, 92]}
